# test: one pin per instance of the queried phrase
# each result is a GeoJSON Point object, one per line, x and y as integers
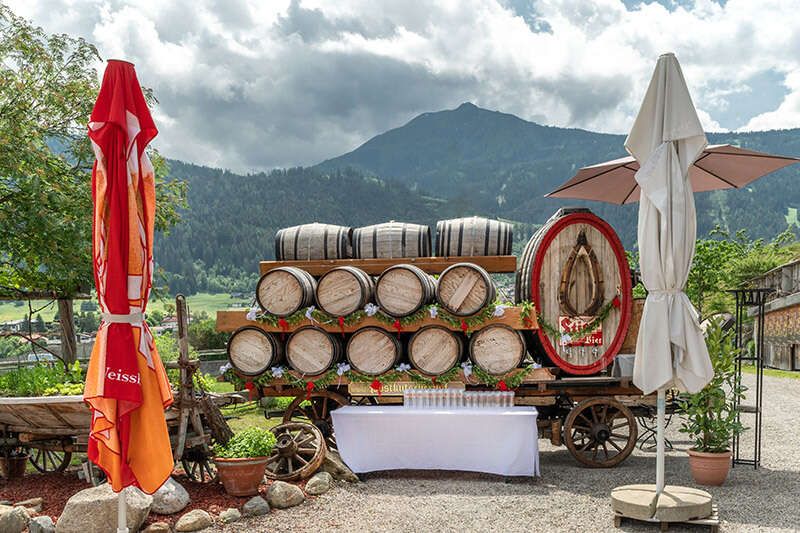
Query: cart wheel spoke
{"type": "Point", "coordinates": [594, 423]}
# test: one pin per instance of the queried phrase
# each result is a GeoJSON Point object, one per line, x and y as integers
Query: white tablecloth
{"type": "Point", "coordinates": [500, 441]}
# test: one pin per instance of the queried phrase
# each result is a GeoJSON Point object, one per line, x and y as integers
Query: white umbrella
{"type": "Point", "coordinates": [666, 139]}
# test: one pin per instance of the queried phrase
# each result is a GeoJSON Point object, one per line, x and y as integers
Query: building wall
{"type": "Point", "coordinates": [782, 338]}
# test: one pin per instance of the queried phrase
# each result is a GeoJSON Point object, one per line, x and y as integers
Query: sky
{"type": "Point", "coordinates": [251, 85]}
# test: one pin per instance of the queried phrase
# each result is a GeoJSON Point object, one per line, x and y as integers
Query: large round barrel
{"type": "Point", "coordinates": [311, 350]}
{"type": "Point", "coordinates": [285, 290]}
{"type": "Point", "coordinates": [433, 350]}
{"type": "Point", "coordinates": [391, 240]}
{"type": "Point", "coordinates": [251, 351]}
{"type": "Point", "coordinates": [401, 290]}
{"type": "Point", "coordinates": [343, 290]}
{"type": "Point", "coordinates": [464, 289]}
{"type": "Point", "coordinates": [313, 241]}
{"type": "Point", "coordinates": [497, 349]}
{"type": "Point", "coordinates": [373, 351]}
{"type": "Point", "coordinates": [572, 268]}
{"type": "Point", "coordinates": [473, 236]}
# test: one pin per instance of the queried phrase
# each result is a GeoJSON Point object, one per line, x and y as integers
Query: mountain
{"type": "Point", "coordinates": [231, 219]}
{"type": "Point", "coordinates": [500, 165]}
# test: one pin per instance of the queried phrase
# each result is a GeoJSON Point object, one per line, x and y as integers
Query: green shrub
{"type": "Point", "coordinates": [42, 380]}
{"type": "Point", "coordinates": [251, 442]}
{"type": "Point", "coordinates": [203, 335]}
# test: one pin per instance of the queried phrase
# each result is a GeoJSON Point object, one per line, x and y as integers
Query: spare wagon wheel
{"type": "Point", "coordinates": [50, 460]}
{"type": "Point", "coordinates": [600, 432]}
{"type": "Point", "coordinates": [298, 453]}
{"type": "Point", "coordinates": [317, 411]}
{"type": "Point", "coordinates": [197, 465]}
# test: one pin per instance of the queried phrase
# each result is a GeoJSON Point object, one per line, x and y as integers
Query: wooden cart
{"type": "Point", "coordinates": [54, 428]}
{"type": "Point", "coordinates": [594, 416]}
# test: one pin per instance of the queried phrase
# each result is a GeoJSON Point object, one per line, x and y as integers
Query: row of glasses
{"type": "Point", "coordinates": [456, 399]}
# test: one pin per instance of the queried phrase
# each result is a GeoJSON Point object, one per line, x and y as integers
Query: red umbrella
{"type": "Point", "coordinates": [719, 166]}
{"type": "Point", "coordinates": [126, 384]}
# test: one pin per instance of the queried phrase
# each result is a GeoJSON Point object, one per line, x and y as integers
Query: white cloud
{"type": "Point", "coordinates": [248, 84]}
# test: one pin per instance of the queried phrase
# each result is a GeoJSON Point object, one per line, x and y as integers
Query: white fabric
{"type": "Point", "coordinates": [500, 441]}
{"type": "Point", "coordinates": [666, 138]}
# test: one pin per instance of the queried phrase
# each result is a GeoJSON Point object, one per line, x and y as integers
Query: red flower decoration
{"type": "Point", "coordinates": [502, 385]}
{"type": "Point", "coordinates": [615, 302]}
{"type": "Point", "coordinates": [250, 389]}
{"type": "Point", "coordinates": [376, 385]}
{"type": "Point", "coordinates": [464, 326]}
{"type": "Point", "coordinates": [309, 388]}
{"type": "Point", "coordinates": [341, 324]}
{"type": "Point", "coordinates": [283, 324]}
{"type": "Point", "coordinates": [398, 326]}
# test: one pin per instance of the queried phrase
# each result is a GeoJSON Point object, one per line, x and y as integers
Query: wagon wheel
{"type": "Point", "coordinates": [198, 467]}
{"type": "Point", "coordinates": [317, 412]}
{"type": "Point", "coordinates": [600, 432]}
{"type": "Point", "coordinates": [363, 400]}
{"type": "Point", "coordinates": [298, 453]}
{"type": "Point", "coordinates": [46, 461]}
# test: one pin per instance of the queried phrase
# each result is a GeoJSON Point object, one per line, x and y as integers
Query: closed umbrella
{"type": "Point", "coordinates": [126, 384]}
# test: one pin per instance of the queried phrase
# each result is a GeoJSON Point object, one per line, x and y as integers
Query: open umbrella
{"type": "Point", "coordinates": [719, 166]}
{"type": "Point", "coordinates": [126, 384]}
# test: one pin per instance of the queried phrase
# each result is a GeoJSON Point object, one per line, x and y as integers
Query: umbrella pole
{"type": "Point", "coordinates": [122, 512]}
{"type": "Point", "coordinates": [661, 406]}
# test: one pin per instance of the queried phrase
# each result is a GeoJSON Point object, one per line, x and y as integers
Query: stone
{"type": "Point", "coordinates": [320, 483]}
{"type": "Point", "coordinates": [170, 498]}
{"type": "Point", "coordinates": [282, 495]}
{"type": "Point", "coordinates": [33, 504]}
{"type": "Point", "coordinates": [5, 502]}
{"type": "Point", "coordinates": [676, 504]}
{"type": "Point", "coordinates": [230, 515]}
{"type": "Point", "coordinates": [157, 527]}
{"type": "Point", "coordinates": [334, 465]}
{"type": "Point", "coordinates": [41, 524]}
{"type": "Point", "coordinates": [194, 520]}
{"type": "Point", "coordinates": [94, 510]}
{"type": "Point", "coordinates": [15, 520]}
{"type": "Point", "coordinates": [255, 506]}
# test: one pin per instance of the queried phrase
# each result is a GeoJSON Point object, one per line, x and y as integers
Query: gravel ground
{"type": "Point", "coordinates": [566, 497]}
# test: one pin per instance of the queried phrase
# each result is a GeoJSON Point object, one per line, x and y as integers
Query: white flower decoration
{"type": "Point", "coordinates": [565, 339]}
{"type": "Point", "coordinates": [341, 368]}
{"type": "Point", "coordinates": [277, 371]}
{"type": "Point", "coordinates": [433, 310]}
{"type": "Point", "coordinates": [499, 310]}
{"type": "Point", "coordinates": [224, 368]}
{"type": "Point", "coordinates": [403, 367]}
{"type": "Point", "coordinates": [310, 313]}
{"type": "Point", "coordinates": [252, 313]}
{"type": "Point", "coordinates": [537, 365]}
{"type": "Point", "coordinates": [467, 367]}
{"type": "Point", "coordinates": [370, 309]}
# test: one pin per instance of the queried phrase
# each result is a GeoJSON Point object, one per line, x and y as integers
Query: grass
{"type": "Point", "coordinates": [198, 303]}
{"type": "Point", "coordinates": [249, 414]}
{"type": "Point", "coordinates": [772, 372]}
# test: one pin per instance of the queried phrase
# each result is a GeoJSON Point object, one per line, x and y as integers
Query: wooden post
{"type": "Point", "coordinates": [66, 317]}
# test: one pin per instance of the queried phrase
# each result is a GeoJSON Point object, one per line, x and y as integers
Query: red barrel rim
{"type": "Point", "coordinates": [625, 274]}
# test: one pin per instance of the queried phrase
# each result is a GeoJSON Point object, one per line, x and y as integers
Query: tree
{"type": "Point", "coordinates": [48, 85]}
{"type": "Point", "coordinates": [38, 325]}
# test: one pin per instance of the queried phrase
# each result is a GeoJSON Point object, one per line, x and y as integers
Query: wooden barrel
{"type": "Point", "coordinates": [313, 241]}
{"type": "Point", "coordinates": [473, 236]}
{"type": "Point", "coordinates": [251, 351]}
{"type": "Point", "coordinates": [497, 349]}
{"type": "Point", "coordinates": [285, 290]}
{"type": "Point", "coordinates": [392, 239]}
{"type": "Point", "coordinates": [373, 351]}
{"type": "Point", "coordinates": [311, 350]}
{"type": "Point", "coordinates": [464, 289]}
{"type": "Point", "coordinates": [433, 350]}
{"type": "Point", "coordinates": [571, 269]}
{"type": "Point", "coordinates": [343, 290]}
{"type": "Point", "coordinates": [401, 290]}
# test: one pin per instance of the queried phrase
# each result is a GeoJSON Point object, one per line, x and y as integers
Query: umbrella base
{"type": "Point", "coordinates": [675, 505]}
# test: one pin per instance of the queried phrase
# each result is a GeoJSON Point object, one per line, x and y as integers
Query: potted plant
{"type": "Point", "coordinates": [242, 460]}
{"type": "Point", "coordinates": [13, 462]}
{"type": "Point", "coordinates": [710, 417]}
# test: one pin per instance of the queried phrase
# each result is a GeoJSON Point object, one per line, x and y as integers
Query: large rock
{"type": "Point", "coordinates": [230, 515]}
{"type": "Point", "coordinates": [334, 465]}
{"type": "Point", "coordinates": [14, 520]}
{"type": "Point", "coordinates": [170, 498]}
{"type": "Point", "coordinates": [320, 483]}
{"type": "Point", "coordinates": [94, 510]}
{"type": "Point", "coordinates": [41, 524]}
{"type": "Point", "coordinates": [194, 520]}
{"type": "Point", "coordinates": [282, 495]}
{"type": "Point", "coordinates": [255, 506]}
{"type": "Point", "coordinates": [158, 527]}
{"type": "Point", "coordinates": [34, 505]}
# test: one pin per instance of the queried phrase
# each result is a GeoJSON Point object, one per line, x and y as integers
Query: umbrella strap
{"type": "Point", "coordinates": [665, 291]}
{"type": "Point", "coordinates": [135, 317]}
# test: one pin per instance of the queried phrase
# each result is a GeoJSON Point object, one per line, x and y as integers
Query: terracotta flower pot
{"type": "Point", "coordinates": [709, 468]}
{"type": "Point", "coordinates": [241, 477]}
{"type": "Point", "coordinates": [13, 467]}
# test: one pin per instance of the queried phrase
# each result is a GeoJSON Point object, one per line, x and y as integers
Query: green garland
{"type": "Point", "coordinates": [586, 330]}
{"type": "Point", "coordinates": [511, 380]}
